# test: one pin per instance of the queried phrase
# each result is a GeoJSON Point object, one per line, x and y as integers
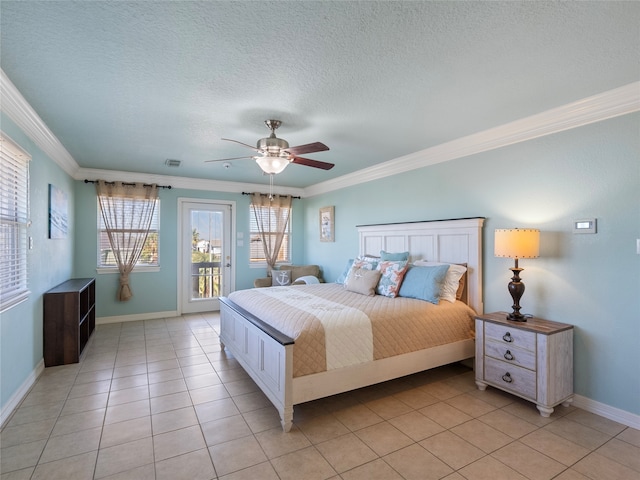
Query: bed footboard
{"type": "Point", "coordinates": [265, 353]}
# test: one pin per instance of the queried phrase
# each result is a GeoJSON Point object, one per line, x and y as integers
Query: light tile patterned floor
{"type": "Point", "coordinates": [159, 400]}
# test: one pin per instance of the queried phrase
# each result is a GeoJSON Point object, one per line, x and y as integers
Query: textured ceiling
{"type": "Point", "coordinates": [127, 85]}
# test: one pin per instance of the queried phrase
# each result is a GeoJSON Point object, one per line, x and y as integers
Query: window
{"type": "Point", "coordinates": [128, 211]}
{"type": "Point", "coordinates": [256, 251]}
{"type": "Point", "coordinates": [14, 220]}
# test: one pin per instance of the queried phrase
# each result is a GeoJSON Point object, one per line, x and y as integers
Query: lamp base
{"type": "Point", "coordinates": [516, 289]}
{"type": "Point", "coordinates": [516, 317]}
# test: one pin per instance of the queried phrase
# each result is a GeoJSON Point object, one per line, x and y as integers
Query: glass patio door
{"type": "Point", "coordinates": [206, 256]}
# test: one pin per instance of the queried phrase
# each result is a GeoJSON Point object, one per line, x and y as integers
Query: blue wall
{"type": "Point", "coordinates": [590, 281]}
{"type": "Point", "coordinates": [50, 262]}
{"type": "Point", "coordinates": [157, 291]}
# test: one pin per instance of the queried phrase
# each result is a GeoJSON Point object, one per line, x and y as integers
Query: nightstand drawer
{"type": "Point", "coordinates": [510, 377]}
{"type": "Point", "coordinates": [510, 336]}
{"type": "Point", "coordinates": [508, 353]}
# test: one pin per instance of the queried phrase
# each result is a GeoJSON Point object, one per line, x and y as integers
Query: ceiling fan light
{"type": "Point", "coordinates": [272, 165]}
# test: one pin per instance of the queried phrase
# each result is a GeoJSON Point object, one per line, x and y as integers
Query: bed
{"type": "Point", "coordinates": [254, 328]}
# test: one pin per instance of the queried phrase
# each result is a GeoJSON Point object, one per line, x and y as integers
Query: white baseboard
{"type": "Point", "coordinates": [9, 407]}
{"type": "Point", "coordinates": [136, 317]}
{"type": "Point", "coordinates": [626, 418]}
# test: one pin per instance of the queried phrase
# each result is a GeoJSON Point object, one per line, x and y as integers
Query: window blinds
{"type": "Point", "coordinates": [127, 212]}
{"type": "Point", "coordinates": [14, 220]}
{"type": "Point", "coordinates": [268, 216]}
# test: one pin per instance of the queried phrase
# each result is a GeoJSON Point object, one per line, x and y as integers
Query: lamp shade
{"type": "Point", "coordinates": [272, 164]}
{"type": "Point", "coordinates": [517, 243]}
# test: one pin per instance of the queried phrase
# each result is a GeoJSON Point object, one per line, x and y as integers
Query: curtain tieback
{"type": "Point", "coordinates": [124, 279]}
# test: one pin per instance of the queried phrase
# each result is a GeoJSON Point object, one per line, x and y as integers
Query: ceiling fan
{"type": "Point", "coordinates": [275, 153]}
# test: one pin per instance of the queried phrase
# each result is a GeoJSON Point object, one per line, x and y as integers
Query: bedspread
{"type": "Point", "coordinates": [334, 328]}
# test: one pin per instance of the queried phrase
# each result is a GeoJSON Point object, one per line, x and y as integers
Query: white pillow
{"type": "Point", "coordinates": [451, 280]}
{"type": "Point", "coordinates": [362, 281]}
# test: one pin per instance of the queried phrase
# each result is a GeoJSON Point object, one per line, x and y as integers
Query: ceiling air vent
{"type": "Point", "coordinates": [171, 162]}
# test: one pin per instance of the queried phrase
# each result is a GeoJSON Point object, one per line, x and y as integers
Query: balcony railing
{"type": "Point", "coordinates": [206, 280]}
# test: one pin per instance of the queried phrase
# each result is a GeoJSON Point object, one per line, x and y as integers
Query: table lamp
{"type": "Point", "coordinates": [517, 243]}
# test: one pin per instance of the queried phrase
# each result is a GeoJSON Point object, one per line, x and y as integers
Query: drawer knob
{"type": "Point", "coordinates": [507, 337]}
{"type": "Point", "coordinates": [508, 355]}
{"type": "Point", "coordinates": [507, 377]}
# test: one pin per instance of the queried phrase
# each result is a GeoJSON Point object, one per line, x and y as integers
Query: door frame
{"type": "Point", "coordinates": [230, 238]}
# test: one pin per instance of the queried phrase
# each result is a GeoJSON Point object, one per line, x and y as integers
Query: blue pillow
{"type": "Point", "coordinates": [394, 257]}
{"type": "Point", "coordinates": [343, 276]}
{"type": "Point", "coordinates": [424, 283]}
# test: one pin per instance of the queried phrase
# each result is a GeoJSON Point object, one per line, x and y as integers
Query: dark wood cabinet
{"type": "Point", "coordinates": [69, 320]}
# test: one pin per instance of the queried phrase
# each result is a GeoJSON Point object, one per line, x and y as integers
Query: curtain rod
{"type": "Point", "coordinates": [128, 183]}
{"type": "Point", "coordinates": [265, 194]}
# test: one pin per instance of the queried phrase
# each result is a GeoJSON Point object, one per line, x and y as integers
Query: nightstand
{"type": "Point", "coordinates": [532, 359]}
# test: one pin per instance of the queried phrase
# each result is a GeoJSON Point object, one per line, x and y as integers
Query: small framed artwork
{"type": "Point", "coordinates": [327, 233]}
{"type": "Point", "coordinates": [58, 215]}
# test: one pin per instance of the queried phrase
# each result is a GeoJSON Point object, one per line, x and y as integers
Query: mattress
{"type": "Point", "coordinates": [334, 328]}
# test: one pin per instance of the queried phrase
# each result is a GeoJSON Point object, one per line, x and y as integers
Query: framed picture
{"type": "Point", "coordinates": [326, 224]}
{"type": "Point", "coordinates": [58, 215]}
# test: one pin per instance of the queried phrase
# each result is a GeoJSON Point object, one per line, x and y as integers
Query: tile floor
{"type": "Point", "coordinates": [159, 400]}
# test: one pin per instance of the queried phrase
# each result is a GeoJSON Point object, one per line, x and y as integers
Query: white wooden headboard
{"type": "Point", "coordinates": [450, 241]}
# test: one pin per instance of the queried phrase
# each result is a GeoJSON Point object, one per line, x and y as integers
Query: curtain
{"type": "Point", "coordinates": [272, 216]}
{"type": "Point", "coordinates": [127, 210]}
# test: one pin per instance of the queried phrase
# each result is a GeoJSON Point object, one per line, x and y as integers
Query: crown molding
{"type": "Point", "coordinates": [23, 115]}
{"type": "Point", "coordinates": [609, 104]}
{"type": "Point", "coordinates": [180, 182]}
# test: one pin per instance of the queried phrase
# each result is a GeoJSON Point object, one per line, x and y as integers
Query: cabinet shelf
{"type": "Point", "coordinates": [69, 320]}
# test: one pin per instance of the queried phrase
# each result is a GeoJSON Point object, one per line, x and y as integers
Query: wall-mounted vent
{"type": "Point", "coordinates": [171, 162]}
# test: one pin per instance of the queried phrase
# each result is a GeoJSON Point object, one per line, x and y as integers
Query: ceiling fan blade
{"type": "Point", "coordinates": [240, 143]}
{"type": "Point", "coordinates": [312, 163]}
{"type": "Point", "coordinates": [308, 148]}
{"type": "Point", "coordinates": [225, 159]}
